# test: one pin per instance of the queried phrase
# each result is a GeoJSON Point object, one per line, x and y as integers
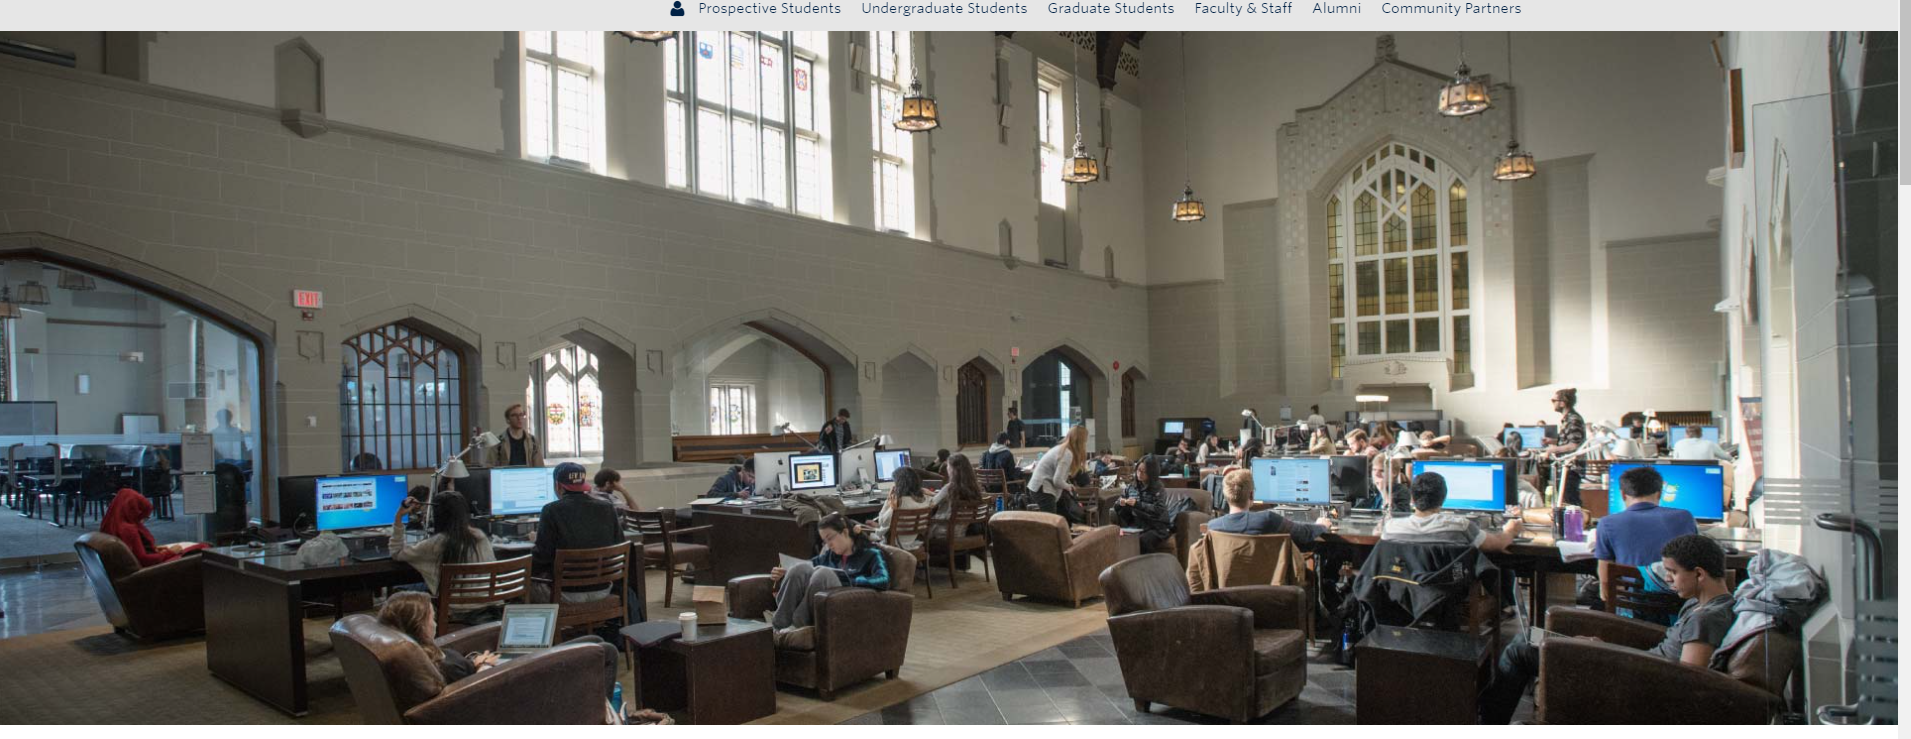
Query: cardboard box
{"type": "Point", "coordinates": [708, 601]}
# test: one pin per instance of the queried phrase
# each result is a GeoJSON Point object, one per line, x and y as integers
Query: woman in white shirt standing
{"type": "Point", "coordinates": [1055, 470]}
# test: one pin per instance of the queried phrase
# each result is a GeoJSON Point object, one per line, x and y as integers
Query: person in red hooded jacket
{"type": "Point", "coordinates": [126, 519]}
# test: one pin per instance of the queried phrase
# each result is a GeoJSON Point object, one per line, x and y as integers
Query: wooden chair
{"type": "Point", "coordinates": [992, 481]}
{"type": "Point", "coordinates": [1089, 499]}
{"type": "Point", "coordinates": [1629, 593]}
{"type": "Point", "coordinates": [480, 584]}
{"type": "Point", "coordinates": [957, 539]}
{"type": "Point", "coordinates": [913, 523]}
{"type": "Point", "coordinates": [657, 532]}
{"type": "Point", "coordinates": [591, 568]}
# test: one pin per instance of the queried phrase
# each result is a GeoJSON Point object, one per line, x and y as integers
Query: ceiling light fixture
{"type": "Point", "coordinates": [918, 110]}
{"type": "Point", "coordinates": [1515, 163]}
{"type": "Point", "coordinates": [1080, 168]}
{"type": "Point", "coordinates": [1189, 208]}
{"type": "Point", "coordinates": [70, 280]}
{"type": "Point", "coordinates": [652, 37]}
{"type": "Point", "coordinates": [1464, 95]}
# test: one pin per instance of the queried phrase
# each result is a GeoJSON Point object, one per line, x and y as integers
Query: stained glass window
{"type": "Point", "coordinates": [569, 412]}
{"type": "Point", "coordinates": [744, 122]}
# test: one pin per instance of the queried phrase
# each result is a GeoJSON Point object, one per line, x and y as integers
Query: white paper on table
{"type": "Point", "coordinates": [1571, 551]}
{"type": "Point", "coordinates": [199, 493]}
{"type": "Point", "coordinates": [195, 452]}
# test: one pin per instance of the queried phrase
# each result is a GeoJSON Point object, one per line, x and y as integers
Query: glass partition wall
{"type": "Point", "coordinates": [101, 378]}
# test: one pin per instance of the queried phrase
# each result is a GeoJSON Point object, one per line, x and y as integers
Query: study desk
{"type": "Point", "coordinates": [745, 540]}
{"type": "Point", "coordinates": [255, 612]}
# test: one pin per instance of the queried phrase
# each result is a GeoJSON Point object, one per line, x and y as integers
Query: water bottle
{"type": "Point", "coordinates": [617, 696]}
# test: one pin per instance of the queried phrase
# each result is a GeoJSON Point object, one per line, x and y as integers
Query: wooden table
{"type": "Point", "coordinates": [745, 540]}
{"type": "Point", "coordinates": [255, 624]}
{"type": "Point", "coordinates": [726, 675]}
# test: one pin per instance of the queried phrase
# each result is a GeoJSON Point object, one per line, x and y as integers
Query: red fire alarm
{"type": "Point", "coordinates": [1117, 365]}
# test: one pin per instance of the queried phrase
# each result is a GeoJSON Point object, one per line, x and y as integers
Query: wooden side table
{"type": "Point", "coordinates": [726, 675]}
{"type": "Point", "coordinates": [1419, 676]}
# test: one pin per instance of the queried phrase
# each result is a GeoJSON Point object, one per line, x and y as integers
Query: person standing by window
{"type": "Point", "coordinates": [517, 446]}
{"type": "Point", "coordinates": [1018, 433]}
{"type": "Point", "coordinates": [836, 434]}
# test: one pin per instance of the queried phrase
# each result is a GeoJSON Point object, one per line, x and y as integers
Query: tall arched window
{"type": "Point", "coordinates": [1408, 251]}
{"type": "Point", "coordinates": [564, 389]}
{"type": "Point", "coordinates": [401, 399]}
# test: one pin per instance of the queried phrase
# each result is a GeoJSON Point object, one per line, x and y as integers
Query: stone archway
{"type": "Point", "coordinates": [620, 418]}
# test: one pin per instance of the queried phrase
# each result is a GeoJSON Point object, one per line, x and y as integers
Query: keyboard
{"type": "Point", "coordinates": [371, 555]}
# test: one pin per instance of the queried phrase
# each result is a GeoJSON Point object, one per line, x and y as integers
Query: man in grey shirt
{"type": "Point", "coordinates": [1697, 567]}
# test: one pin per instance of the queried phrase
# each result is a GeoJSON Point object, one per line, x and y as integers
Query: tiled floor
{"type": "Point", "coordinates": [47, 598]}
{"type": "Point", "coordinates": [1080, 683]}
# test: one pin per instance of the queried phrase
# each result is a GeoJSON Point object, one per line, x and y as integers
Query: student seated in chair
{"type": "Point", "coordinates": [1144, 505]}
{"type": "Point", "coordinates": [1001, 457]}
{"type": "Point", "coordinates": [847, 559]}
{"type": "Point", "coordinates": [1238, 489]}
{"type": "Point", "coordinates": [1431, 523]}
{"type": "Point", "coordinates": [126, 519]}
{"type": "Point", "coordinates": [453, 539]}
{"type": "Point", "coordinates": [1697, 566]}
{"type": "Point", "coordinates": [941, 465]}
{"type": "Point", "coordinates": [576, 520]}
{"type": "Point", "coordinates": [905, 495]}
{"type": "Point", "coordinates": [1635, 536]}
{"type": "Point", "coordinates": [412, 614]}
{"type": "Point", "coordinates": [739, 482]}
{"type": "Point", "coordinates": [609, 485]}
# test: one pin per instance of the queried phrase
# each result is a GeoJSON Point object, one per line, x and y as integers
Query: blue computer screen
{"type": "Point", "coordinates": [1699, 488]}
{"type": "Point", "coordinates": [1531, 437]}
{"type": "Point", "coordinates": [1471, 485]}
{"type": "Point", "coordinates": [1300, 481]}
{"type": "Point", "coordinates": [516, 491]}
{"type": "Point", "coordinates": [887, 461]}
{"type": "Point", "coordinates": [357, 502]}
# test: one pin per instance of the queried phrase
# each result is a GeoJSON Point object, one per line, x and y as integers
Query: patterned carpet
{"type": "Point", "coordinates": [55, 677]}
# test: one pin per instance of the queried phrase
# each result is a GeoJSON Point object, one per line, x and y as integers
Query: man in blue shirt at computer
{"type": "Point", "coordinates": [1635, 536]}
{"type": "Point", "coordinates": [739, 482]}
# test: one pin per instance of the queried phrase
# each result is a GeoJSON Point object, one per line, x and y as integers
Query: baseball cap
{"type": "Point", "coordinates": [571, 478]}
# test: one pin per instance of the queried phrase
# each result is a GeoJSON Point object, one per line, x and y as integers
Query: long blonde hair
{"type": "Point", "coordinates": [410, 613]}
{"type": "Point", "coordinates": [1077, 443]}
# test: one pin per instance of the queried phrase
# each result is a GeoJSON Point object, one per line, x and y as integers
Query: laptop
{"type": "Point", "coordinates": [526, 629]}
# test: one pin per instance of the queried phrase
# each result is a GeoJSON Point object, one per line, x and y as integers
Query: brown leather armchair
{"type": "Point", "coordinates": [1613, 680]}
{"type": "Point", "coordinates": [856, 633]}
{"type": "Point", "coordinates": [1235, 653]}
{"type": "Point", "coordinates": [151, 603]}
{"type": "Point", "coordinates": [391, 681]}
{"type": "Point", "coordinates": [1034, 556]}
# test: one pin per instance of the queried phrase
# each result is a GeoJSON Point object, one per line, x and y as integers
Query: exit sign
{"type": "Point", "coordinates": [308, 299]}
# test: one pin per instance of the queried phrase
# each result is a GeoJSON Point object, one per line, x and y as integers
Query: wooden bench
{"type": "Point", "coordinates": [725, 449]}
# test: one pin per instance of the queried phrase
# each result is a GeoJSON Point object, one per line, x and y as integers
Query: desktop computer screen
{"type": "Point", "coordinates": [1173, 428]}
{"type": "Point", "coordinates": [1697, 487]}
{"type": "Point", "coordinates": [357, 502]}
{"type": "Point", "coordinates": [887, 461]}
{"type": "Point", "coordinates": [1292, 480]}
{"type": "Point", "coordinates": [812, 471]}
{"type": "Point", "coordinates": [1531, 437]}
{"type": "Point", "coordinates": [1350, 476]}
{"type": "Point", "coordinates": [1472, 485]}
{"type": "Point", "coordinates": [516, 491]}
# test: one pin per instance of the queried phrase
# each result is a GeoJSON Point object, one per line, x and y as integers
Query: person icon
{"type": "Point", "coordinates": [676, 9]}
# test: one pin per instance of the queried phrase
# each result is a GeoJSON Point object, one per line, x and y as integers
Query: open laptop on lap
{"type": "Point", "coordinates": [526, 629]}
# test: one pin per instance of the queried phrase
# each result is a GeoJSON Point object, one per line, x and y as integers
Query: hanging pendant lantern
{"type": "Point", "coordinates": [1189, 208]}
{"type": "Point", "coordinates": [918, 111]}
{"type": "Point", "coordinates": [8, 309]}
{"type": "Point", "coordinates": [1514, 164]}
{"type": "Point", "coordinates": [654, 37]}
{"type": "Point", "coordinates": [1080, 167]}
{"type": "Point", "coordinates": [70, 280]}
{"type": "Point", "coordinates": [33, 293]}
{"type": "Point", "coordinates": [1464, 95]}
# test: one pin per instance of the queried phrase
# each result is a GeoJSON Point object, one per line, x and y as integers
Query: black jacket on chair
{"type": "Point", "coordinates": [1421, 584]}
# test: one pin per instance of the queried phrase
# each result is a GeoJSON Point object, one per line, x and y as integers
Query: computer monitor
{"type": "Point", "coordinates": [1173, 428]}
{"type": "Point", "coordinates": [812, 471]}
{"type": "Point", "coordinates": [887, 461]}
{"type": "Point", "coordinates": [1472, 485]}
{"type": "Point", "coordinates": [1292, 480]}
{"type": "Point", "coordinates": [516, 491]}
{"type": "Point", "coordinates": [298, 500]}
{"type": "Point", "coordinates": [476, 489]}
{"type": "Point", "coordinates": [1694, 486]}
{"type": "Point", "coordinates": [1531, 437]}
{"type": "Point", "coordinates": [1351, 476]}
{"type": "Point", "coordinates": [357, 502]}
{"type": "Point", "coordinates": [857, 464]}
{"type": "Point", "coordinates": [772, 470]}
